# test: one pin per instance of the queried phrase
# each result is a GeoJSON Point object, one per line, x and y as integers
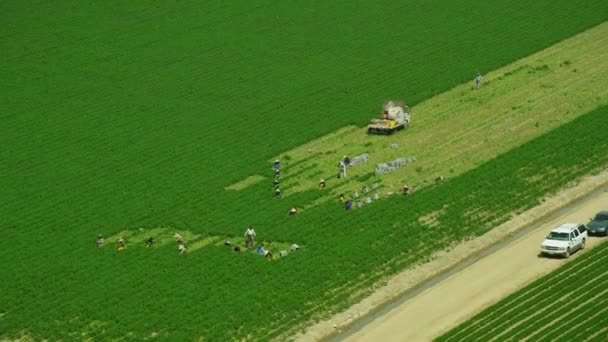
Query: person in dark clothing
{"type": "Point", "coordinates": [149, 242]}
{"type": "Point", "coordinates": [348, 205]}
{"type": "Point", "coordinates": [346, 160]}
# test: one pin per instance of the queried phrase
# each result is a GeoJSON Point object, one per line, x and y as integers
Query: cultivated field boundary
{"type": "Point", "coordinates": [443, 262]}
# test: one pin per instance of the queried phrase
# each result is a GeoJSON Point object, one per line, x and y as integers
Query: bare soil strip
{"type": "Point", "coordinates": [492, 273]}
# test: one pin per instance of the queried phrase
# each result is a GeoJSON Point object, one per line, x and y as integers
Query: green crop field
{"type": "Point", "coordinates": [569, 304]}
{"type": "Point", "coordinates": [131, 120]}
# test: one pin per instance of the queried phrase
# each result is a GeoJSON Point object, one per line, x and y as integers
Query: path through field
{"type": "Point", "coordinates": [456, 299]}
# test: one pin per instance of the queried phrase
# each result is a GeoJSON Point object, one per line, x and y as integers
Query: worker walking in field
{"type": "Point", "coordinates": [341, 169]}
{"type": "Point", "coordinates": [249, 237]}
{"type": "Point", "coordinates": [478, 80]}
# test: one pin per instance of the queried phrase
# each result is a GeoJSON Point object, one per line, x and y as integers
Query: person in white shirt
{"type": "Point", "coordinates": [100, 241]}
{"type": "Point", "coordinates": [478, 80]}
{"type": "Point", "coordinates": [250, 237]}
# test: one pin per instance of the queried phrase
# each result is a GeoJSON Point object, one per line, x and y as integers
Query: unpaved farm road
{"type": "Point", "coordinates": [462, 295]}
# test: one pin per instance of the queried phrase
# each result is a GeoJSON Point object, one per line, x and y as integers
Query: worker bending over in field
{"type": "Point", "coordinates": [178, 238]}
{"type": "Point", "coordinates": [100, 241]}
{"type": "Point", "coordinates": [182, 249]}
{"type": "Point", "coordinates": [276, 165]}
{"type": "Point", "coordinates": [405, 191]}
{"type": "Point", "coordinates": [293, 212]}
{"type": "Point", "coordinates": [277, 193]}
{"type": "Point", "coordinates": [121, 244]}
{"type": "Point", "coordinates": [149, 242]}
{"type": "Point", "coordinates": [260, 250]}
{"type": "Point", "coordinates": [249, 237]}
{"type": "Point", "coordinates": [322, 184]}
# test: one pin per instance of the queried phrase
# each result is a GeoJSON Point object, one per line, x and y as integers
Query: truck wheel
{"type": "Point", "coordinates": [567, 254]}
{"type": "Point", "coordinates": [583, 244]}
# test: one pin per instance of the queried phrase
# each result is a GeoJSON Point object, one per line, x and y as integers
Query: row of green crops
{"type": "Point", "coordinates": [221, 295]}
{"type": "Point", "coordinates": [568, 304]}
{"type": "Point", "coordinates": [119, 116]}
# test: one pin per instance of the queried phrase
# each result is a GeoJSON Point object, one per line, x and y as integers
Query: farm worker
{"type": "Point", "coordinates": [182, 249]}
{"type": "Point", "coordinates": [293, 211]}
{"type": "Point", "coordinates": [283, 253]}
{"type": "Point", "coordinates": [438, 179]}
{"type": "Point", "coordinates": [294, 247]}
{"type": "Point", "coordinates": [276, 165]}
{"type": "Point", "coordinates": [268, 255]}
{"type": "Point", "coordinates": [346, 160]}
{"type": "Point", "coordinates": [149, 242]}
{"type": "Point", "coordinates": [341, 169]}
{"type": "Point", "coordinates": [277, 173]}
{"type": "Point", "coordinates": [322, 184]}
{"type": "Point", "coordinates": [364, 190]}
{"type": "Point", "coordinates": [260, 250]}
{"type": "Point", "coordinates": [227, 243]}
{"type": "Point", "coordinates": [277, 193]}
{"type": "Point", "coordinates": [178, 238]}
{"type": "Point", "coordinates": [237, 249]}
{"type": "Point", "coordinates": [405, 191]}
{"type": "Point", "coordinates": [276, 184]}
{"type": "Point", "coordinates": [478, 80]}
{"type": "Point", "coordinates": [250, 237]}
{"type": "Point", "coordinates": [100, 240]}
{"type": "Point", "coordinates": [348, 205]}
{"type": "Point", "coordinates": [121, 244]}
{"type": "Point", "coordinates": [341, 198]}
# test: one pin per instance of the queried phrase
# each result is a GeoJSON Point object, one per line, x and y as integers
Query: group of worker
{"type": "Point", "coordinates": [276, 166]}
{"type": "Point", "coordinates": [367, 199]}
{"type": "Point", "coordinates": [149, 243]}
{"type": "Point", "coordinates": [260, 250]}
{"type": "Point", "coordinates": [406, 191]}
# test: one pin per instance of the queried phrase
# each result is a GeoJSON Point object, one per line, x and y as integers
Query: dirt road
{"type": "Point", "coordinates": [452, 301]}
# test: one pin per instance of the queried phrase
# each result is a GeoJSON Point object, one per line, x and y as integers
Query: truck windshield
{"type": "Point", "coordinates": [601, 217]}
{"type": "Point", "coordinates": [557, 236]}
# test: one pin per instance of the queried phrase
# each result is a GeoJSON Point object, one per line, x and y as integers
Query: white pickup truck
{"type": "Point", "coordinates": [564, 240]}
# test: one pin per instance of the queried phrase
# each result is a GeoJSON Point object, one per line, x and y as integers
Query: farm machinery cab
{"type": "Point", "coordinates": [395, 116]}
